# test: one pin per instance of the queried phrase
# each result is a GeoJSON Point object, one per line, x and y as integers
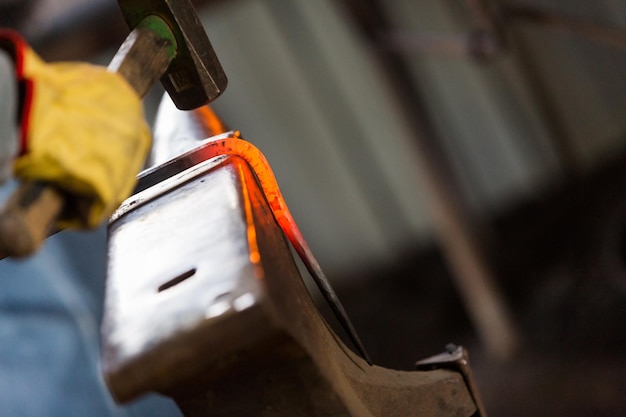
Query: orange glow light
{"type": "Point", "coordinates": [259, 165]}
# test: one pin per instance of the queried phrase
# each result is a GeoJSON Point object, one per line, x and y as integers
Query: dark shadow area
{"type": "Point", "coordinates": [560, 262]}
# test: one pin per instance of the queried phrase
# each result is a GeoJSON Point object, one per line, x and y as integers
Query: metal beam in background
{"type": "Point", "coordinates": [489, 17]}
{"type": "Point", "coordinates": [503, 21]}
{"type": "Point", "coordinates": [494, 31]}
{"type": "Point", "coordinates": [454, 224]}
{"type": "Point", "coordinates": [600, 32]}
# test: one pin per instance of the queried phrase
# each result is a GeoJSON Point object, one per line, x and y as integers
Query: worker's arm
{"type": "Point", "coordinates": [8, 116]}
{"type": "Point", "coordinates": [80, 128]}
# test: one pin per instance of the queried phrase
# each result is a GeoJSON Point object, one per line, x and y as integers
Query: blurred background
{"type": "Point", "coordinates": [448, 161]}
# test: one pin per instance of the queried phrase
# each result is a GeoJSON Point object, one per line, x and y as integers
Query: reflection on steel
{"type": "Point", "coordinates": [169, 231]}
{"type": "Point", "coordinates": [191, 314]}
{"type": "Point", "coordinates": [176, 132]}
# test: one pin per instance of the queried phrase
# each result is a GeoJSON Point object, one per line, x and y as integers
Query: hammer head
{"type": "Point", "coordinates": [195, 76]}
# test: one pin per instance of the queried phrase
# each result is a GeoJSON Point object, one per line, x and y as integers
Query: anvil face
{"type": "Point", "coordinates": [179, 269]}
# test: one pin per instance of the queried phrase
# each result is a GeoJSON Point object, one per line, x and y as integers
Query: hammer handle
{"type": "Point", "coordinates": [32, 211]}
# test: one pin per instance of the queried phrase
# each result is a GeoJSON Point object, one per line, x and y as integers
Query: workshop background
{"type": "Point", "coordinates": [379, 116]}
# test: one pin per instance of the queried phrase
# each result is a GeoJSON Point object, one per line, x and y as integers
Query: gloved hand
{"type": "Point", "coordinates": [82, 130]}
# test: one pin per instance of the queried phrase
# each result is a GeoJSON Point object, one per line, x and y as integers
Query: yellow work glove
{"type": "Point", "coordinates": [82, 130]}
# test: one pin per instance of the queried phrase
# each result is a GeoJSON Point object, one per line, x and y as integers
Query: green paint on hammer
{"type": "Point", "coordinates": [159, 27]}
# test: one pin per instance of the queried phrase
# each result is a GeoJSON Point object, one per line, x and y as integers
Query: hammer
{"type": "Point", "coordinates": [167, 41]}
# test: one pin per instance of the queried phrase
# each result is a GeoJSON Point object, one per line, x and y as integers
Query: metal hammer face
{"type": "Point", "coordinates": [195, 77]}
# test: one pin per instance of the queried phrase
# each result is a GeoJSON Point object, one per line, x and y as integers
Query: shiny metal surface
{"type": "Point", "coordinates": [190, 313]}
{"type": "Point", "coordinates": [173, 167]}
{"type": "Point", "coordinates": [178, 267]}
{"type": "Point", "coordinates": [176, 132]}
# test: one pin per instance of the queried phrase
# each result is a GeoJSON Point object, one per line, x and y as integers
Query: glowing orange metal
{"type": "Point", "coordinates": [261, 168]}
{"type": "Point", "coordinates": [210, 120]}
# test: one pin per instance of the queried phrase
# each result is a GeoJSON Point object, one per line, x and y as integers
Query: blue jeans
{"type": "Point", "coordinates": [50, 313]}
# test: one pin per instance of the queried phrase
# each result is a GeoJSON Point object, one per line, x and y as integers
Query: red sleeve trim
{"type": "Point", "coordinates": [15, 45]}
{"type": "Point", "coordinates": [26, 106]}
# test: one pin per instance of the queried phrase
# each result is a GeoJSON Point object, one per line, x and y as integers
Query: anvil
{"type": "Point", "coordinates": [204, 303]}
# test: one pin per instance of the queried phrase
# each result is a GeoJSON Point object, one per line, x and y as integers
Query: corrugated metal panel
{"type": "Point", "coordinates": [497, 144]}
{"type": "Point", "coordinates": [306, 93]}
{"type": "Point", "coordinates": [585, 79]}
{"type": "Point", "coordinates": [305, 88]}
